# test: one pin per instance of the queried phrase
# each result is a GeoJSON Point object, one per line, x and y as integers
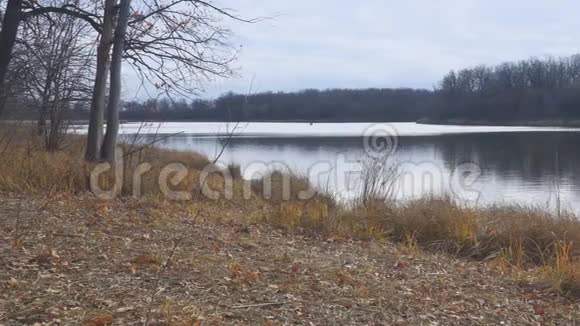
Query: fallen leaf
{"type": "Point", "coordinates": [100, 320]}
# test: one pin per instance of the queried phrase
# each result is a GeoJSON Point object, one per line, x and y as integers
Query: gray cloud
{"type": "Point", "coordinates": [387, 43]}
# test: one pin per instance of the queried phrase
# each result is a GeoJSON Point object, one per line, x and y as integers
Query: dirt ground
{"type": "Point", "coordinates": [75, 260]}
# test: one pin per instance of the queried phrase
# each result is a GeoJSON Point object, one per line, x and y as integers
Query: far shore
{"type": "Point", "coordinates": [424, 121]}
{"type": "Point", "coordinates": [451, 122]}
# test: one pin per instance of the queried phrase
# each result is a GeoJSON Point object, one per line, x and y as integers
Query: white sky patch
{"type": "Point", "coordinates": [386, 43]}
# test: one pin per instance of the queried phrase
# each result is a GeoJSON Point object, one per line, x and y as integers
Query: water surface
{"type": "Point", "coordinates": [526, 165]}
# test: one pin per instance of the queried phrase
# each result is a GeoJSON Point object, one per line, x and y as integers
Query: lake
{"type": "Point", "coordinates": [478, 165]}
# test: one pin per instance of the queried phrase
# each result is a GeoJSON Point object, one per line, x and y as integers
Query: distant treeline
{"type": "Point", "coordinates": [307, 105]}
{"type": "Point", "coordinates": [529, 91]}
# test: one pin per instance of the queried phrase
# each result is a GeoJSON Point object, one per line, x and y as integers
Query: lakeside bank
{"type": "Point", "coordinates": [511, 243]}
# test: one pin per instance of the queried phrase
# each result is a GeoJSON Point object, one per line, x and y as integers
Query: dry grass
{"type": "Point", "coordinates": [518, 237]}
{"type": "Point", "coordinates": [285, 186]}
{"type": "Point", "coordinates": [91, 262]}
{"type": "Point", "coordinates": [28, 167]}
{"type": "Point", "coordinates": [522, 237]}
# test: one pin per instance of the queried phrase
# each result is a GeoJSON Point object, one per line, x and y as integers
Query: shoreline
{"type": "Point", "coordinates": [426, 121]}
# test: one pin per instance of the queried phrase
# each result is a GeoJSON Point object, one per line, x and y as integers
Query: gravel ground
{"type": "Point", "coordinates": [76, 260]}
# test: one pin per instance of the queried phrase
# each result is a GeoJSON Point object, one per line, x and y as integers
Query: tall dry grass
{"type": "Point", "coordinates": [523, 238]}
{"type": "Point", "coordinates": [28, 167]}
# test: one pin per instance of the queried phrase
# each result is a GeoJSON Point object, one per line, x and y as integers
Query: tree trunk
{"type": "Point", "coordinates": [110, 142]}
{"type": "Point", "coordinates": [95, 134]}
{"type": "Point", "coordinates": [44, 103]}
{"type": "Point", "coordinates": [7, 38]}
{"type": "Point", "coordinates": [52, 136]}
{"type": "Point", "coordinates": [43, 116]}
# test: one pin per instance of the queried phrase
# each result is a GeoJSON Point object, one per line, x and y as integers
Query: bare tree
{"type": "Point", "coordinates": [175, 45]}
{"type": "Point", "coordinates": [110, 141]}
{"type": "Point", "coordinates": [95, 133]}
{"type": "Point", "coordinates": [10, 23]}
{"type": "Point", "coordinates": [179, 45]}
{"type": "Point", "coordinates": [58, 61]}
{"type": "Point", "coordinates": [20, 10]}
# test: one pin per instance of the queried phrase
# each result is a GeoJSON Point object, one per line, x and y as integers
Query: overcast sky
{"type": "Point", "coordinates": [387, 43]}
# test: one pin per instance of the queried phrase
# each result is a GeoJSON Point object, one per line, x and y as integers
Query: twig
{"type": "Point", "coordinates": [17, 226]}
{"type": "Point", "coordinates": [259, 305]}
{"type": "Point", "coordinates": [140, 148]}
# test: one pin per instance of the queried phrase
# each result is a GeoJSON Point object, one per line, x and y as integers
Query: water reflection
{"type": "Point", "coordinates": [531, 168]}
